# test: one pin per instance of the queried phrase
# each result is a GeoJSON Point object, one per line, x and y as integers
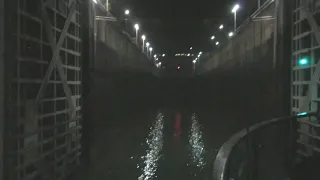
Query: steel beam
{"type": "Point", "coordinates": [55, 61]}
{"type": "Point", "coordinates": [2, 86]}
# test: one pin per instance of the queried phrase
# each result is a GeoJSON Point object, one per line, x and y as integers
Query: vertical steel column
{"type": "Point", "coordinates": [2, 85]}
{"type": "Point", "coordinates": [282, 54]}
{"type": "Point", "coordinates": [87, 59]}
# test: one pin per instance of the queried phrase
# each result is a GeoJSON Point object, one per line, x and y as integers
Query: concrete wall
{"type": "Point", "coordinates": [246, 68]}
{"type": "Point", "coordinates": [122, 77]}
{"type": "Point", "coordinates": [252, 45]}
{"type": "Point", "coordinates": [115, 51]}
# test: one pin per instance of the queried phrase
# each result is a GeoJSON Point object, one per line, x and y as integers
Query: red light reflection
{"type": "Point", "coordinates": [177, 124]}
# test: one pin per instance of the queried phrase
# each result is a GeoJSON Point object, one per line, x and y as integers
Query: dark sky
{"type": "Point", "coordinates": [175, 25]}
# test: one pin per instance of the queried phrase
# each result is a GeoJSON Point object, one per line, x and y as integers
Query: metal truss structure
{"type": "Point", "coordinates": [306, 70]}
{"type": "Point", "coordinates": [43, 88]}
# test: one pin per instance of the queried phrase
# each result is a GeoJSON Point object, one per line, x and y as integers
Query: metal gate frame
{"type": "Point", "coordinates": [43, 89]}
{"type": "Point", "coordinates": [305, 78]}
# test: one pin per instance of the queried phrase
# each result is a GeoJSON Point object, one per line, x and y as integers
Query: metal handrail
{"type": "Point", "coordinates": [221, 162]}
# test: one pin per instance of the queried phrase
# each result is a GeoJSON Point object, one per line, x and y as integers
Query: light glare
{"type": "Point", "coordinates": [136, 26]}
{"type": "Point", "coordinates": [235, 8]}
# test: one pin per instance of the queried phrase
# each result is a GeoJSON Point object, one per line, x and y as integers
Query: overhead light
{"type": "Point", "coordinates": [155, 56]}
{"type": "Point", "coordinates": [150, 49]}
{"type": "Point", "coordinates": [147, 44]}
{"type": "Point", "coordinates": [95, 1]}
{"type": "Point", "coordinates": [194, 61]}
{"type": "Point", "coordinates": [190, 48]}
{"type": "Point", "coordinates": [212, 37]}
{"type": "Point", "coordinates": [235, 8]}
{"type": "Point", "coordinates": [230, 34]}
{"type": "Point", "coordinates": [136, 26]}
{"type": "Point", "coordinates": [217, 43]}
{"type": "Point", "coordinates": [221, 26]}
{"type": "Point", "coordinates": [188, 55]}
{"type": "Point", "coordinates": [143, 37]}
{"type": "Point", "coordinates": [163, 55]}
{"type": "Point", "coordinates": [127, 12]}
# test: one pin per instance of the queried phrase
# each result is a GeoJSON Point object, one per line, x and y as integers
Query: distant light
{"type": "Point", "coordinates": [147, 44]}
{"type": "Point", "coordinates": [127, 12]}
{"type": "Point", "coordinates": [150, 49]}
{"type": "Point", "coordinates": [221, 26]}
{"type": "Point", "coordinates": [178, 67]}
{"type": "Point", "coordinates": [143, 37]}
{"type": "Point", "coordinates": [217, 43]}
{"type": "Point", "coordinates": [200, 52]}
{"type": "Point", "coordinates": [212, 37]}
{"type": "Point", "coordinates": [302, 114]}
{"type": "Point", "coordinates": [303, 61]}
{"type": "Point", "coordinates": [194, 61]}
{"type": "Point", "coordinates": [159, 63]}
{"type": "Point", "coordinates": [190, 48]}
{"type": "Point", "coordinates": [155, 56]}
{"type": "Point", "coordinates": [136, 26]}
{"type": "Point", "coordinates": [95, 1]}
{"type": "Point", "coordinates": [188, 54]}
{"type": "Point", "coordinates": [230, 34]}
{"type": "Point", "coordinates": [163, 55]}
{"type": "Point", "coordinates": [235, 8]}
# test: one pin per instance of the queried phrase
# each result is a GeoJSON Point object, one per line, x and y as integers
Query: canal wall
{"type": "Point", "coordinates": [121, 76]}
{"type": "Point", "coordinates": [251, 46]}
{"type": "Point", "coordinates": [251, 67]}
{"type": "Point", "coordinates": [115, 49]}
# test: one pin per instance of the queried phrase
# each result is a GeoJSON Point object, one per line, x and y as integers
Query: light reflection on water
{"type": "Point", "coordinates": [155, 144]}
{"type": "Point", "coordinates": [196, 143]}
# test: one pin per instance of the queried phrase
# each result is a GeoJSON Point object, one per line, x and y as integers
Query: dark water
{"type": "Point", "coordinates": [169, 131]}
{"type": "Point", "coordinates": [166, 143]}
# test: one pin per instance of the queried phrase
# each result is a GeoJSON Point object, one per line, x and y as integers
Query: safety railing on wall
{"type": "Point", "coordinates": [268, 149]}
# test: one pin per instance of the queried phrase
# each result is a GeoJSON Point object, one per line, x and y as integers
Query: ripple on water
{"type": "Point", "coordinates": [155, 145]}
